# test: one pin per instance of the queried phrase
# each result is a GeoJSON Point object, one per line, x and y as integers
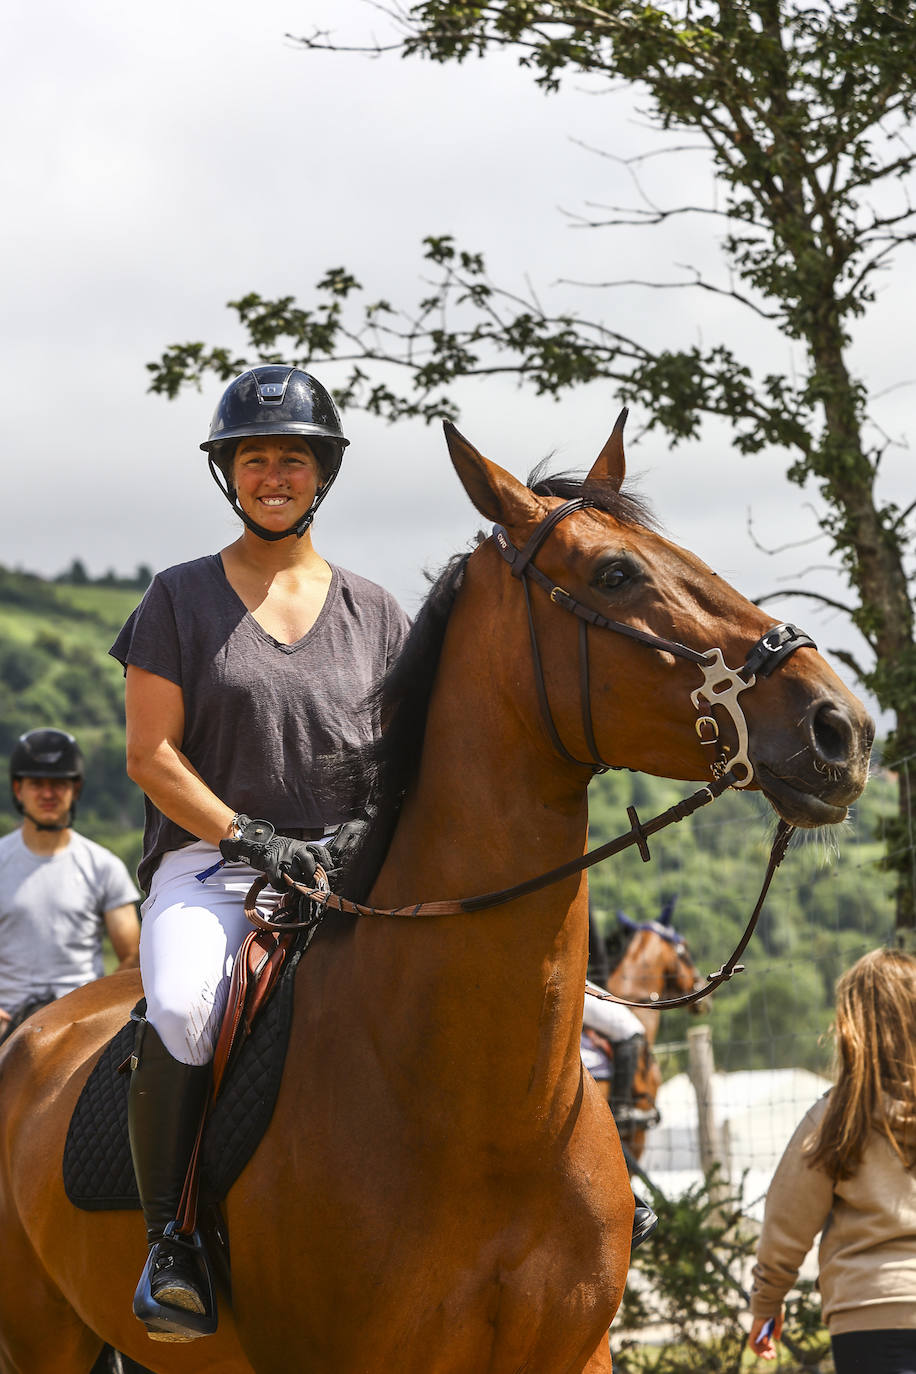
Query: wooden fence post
{"type": "Point", "coordinates": [701, 1071]}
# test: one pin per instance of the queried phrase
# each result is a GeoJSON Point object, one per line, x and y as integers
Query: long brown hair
{"type": "Point", "coordinates": [875, 1032]}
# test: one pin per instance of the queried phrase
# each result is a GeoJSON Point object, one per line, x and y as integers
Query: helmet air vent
{"type": "Point", "coordinates": [272, 393]}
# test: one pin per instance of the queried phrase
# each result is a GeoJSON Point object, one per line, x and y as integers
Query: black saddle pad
{"type": "Point", "coordinates": [98, 1172]}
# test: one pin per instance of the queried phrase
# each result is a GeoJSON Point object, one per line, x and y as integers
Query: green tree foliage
{"type": "Point", "coordinates": [804, 111]}
{"type": "Point", "coordinates": [688, 1279]}
{"type": "Point", "coordinates": [829, 902]}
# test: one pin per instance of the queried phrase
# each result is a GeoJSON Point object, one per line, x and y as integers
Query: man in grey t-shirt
{"type": "Point", "coordinates": [59, 892]}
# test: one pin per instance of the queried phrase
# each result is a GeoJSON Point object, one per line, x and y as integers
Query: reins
{"type": "Point", "coordinates": [721, 686]}
{"type": "Point", "coordinates": [784, 833]}
{"type": "Point", "coordinates": [638, 835]}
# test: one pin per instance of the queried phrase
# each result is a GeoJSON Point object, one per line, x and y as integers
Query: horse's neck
{"type": "Point", "coordinates": [488, 1003]}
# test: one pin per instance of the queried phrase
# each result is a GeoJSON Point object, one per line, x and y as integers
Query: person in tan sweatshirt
{"type": "Point", "coordinates": [848, 1173]}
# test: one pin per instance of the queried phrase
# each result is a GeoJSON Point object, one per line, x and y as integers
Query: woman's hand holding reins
{"type": "Point", "coordinates": [257, 843]}
{"type": "Point", "coordinates": [281, 858]}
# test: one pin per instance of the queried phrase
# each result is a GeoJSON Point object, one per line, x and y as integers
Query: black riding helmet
{"type": "Point", "coordinates": [46, 754]}
{"type": "Point", "coordinates": [275, 400]}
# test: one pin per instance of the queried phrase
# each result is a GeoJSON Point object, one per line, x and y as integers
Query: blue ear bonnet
{"type": "Point", "coordinates": [661, 927]}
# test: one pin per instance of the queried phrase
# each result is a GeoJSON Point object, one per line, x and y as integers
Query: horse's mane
{"type": "Point", "coordinates": [384, 770]}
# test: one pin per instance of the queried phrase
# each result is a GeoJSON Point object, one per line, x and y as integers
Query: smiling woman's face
{"type": "Point", "coordinates": [276, 477]}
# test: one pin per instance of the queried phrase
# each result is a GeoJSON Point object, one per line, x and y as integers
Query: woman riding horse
{"type": "Point", "coordinates": [244, 670]}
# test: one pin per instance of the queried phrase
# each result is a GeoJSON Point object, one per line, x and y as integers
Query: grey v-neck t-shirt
{"type": "Point", "coordinates": [263, 720]}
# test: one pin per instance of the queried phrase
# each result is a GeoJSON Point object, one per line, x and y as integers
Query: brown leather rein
{"type": "Point", "coordinates": [637, 835]}
{"type": "Point", "coordinates": [721, 686]}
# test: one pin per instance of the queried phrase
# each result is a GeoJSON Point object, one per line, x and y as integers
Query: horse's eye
{"type": "Point", "coordinates": [613, 575]}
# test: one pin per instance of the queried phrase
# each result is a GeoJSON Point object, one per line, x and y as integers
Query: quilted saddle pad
{"type": "Point", "coordinates": [98, 1172]}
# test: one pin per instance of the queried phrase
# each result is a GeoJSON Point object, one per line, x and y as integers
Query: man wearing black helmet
{"type": "Point", "coordinates": [59, 892]}
{"type": "Point", "coordinates": [247, 674]}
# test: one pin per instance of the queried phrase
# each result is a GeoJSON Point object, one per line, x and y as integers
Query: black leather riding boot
{"type": "Point", "coordinates": [627, 1056]}
{"type": "Point", "coordinates": [645, 1222]}
{"type": "Point", "coordinates": [165, 1104]}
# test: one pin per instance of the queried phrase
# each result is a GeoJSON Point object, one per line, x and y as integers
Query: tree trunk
{"type": "Point", "coordinates": [901, 839]}
{"type": "Point", "coordinates": [874, 556]}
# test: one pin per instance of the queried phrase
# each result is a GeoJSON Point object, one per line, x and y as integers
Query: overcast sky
{"type": "Point", "coordinates": [160, 161]}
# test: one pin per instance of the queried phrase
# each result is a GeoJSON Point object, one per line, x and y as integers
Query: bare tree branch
{"type": "Point", "coordinates": [822, 600]}
{"type": "Point", "coordinates": [783, 548]}
{"type": "Point", "coordinates": [698, 284]}
{"type": "Point", "coordinates": [852, 663]}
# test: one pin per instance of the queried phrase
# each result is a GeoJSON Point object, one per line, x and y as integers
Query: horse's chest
{"type": "Point", "coordinates": [449, 1292]}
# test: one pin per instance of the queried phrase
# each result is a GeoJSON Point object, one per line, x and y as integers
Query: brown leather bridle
{"type": "Point", "coordinates": [721, 686]}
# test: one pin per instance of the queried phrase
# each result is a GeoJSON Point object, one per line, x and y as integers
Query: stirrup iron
{"type": "Point", "coordinates": [162, 1320]}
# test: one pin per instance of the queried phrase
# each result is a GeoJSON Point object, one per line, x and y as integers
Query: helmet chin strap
{"type": "Point", "coordinates": [46, 825]}
{"type": "Point", "coordinates": [43, 825]}
{"type": "Point", "coordinates": [272, 536]}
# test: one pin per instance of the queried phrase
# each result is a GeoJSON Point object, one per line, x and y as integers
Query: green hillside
{"type": "Point", "coordinates": [55, 671]}
{"type": "Point", "coordinates": [829, 902]}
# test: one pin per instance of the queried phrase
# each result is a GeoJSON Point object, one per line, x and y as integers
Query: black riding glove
{"type": "Point", "coordinates": [259, 845]}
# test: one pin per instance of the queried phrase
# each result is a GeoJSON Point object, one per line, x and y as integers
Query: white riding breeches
{"type": "Point", "coordinates": [189, 936]}
{"type": "Point", "coordinates": [595, 1060]}
{"type": "Point", "coordinates": [611, 1019]}
{"type": "Point", "coordinates": [614, 1022]}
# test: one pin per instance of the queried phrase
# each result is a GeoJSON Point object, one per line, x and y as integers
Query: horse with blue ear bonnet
{"type": "Point", "coordinates": [655, 962]}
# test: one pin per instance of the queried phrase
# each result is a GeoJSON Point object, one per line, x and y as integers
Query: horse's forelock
{"type": "Point", "coordinates": [624, 505]}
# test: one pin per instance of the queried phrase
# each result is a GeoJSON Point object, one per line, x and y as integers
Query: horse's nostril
{"type": "Point", "coordinates": [831, 731]}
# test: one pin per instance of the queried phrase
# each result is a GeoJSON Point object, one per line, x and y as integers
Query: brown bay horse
{"type": "Point", "coordinates": [656, 963]}
{"type": "Point", "coordinates": [420, 1204]}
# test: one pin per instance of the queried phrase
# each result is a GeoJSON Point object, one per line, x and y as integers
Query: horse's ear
{"type": "Point", "coordinates": [625, 922]}
{"type": "Point", "coordinates": [611, 465]}
{"type": "Point", "coordinates": [498, 495]}
{"type": "Point", "coordinates": [667, 912]}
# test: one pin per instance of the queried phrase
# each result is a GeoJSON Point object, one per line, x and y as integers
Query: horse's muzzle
{"type": "Point", "coordinates": [816, 781]}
